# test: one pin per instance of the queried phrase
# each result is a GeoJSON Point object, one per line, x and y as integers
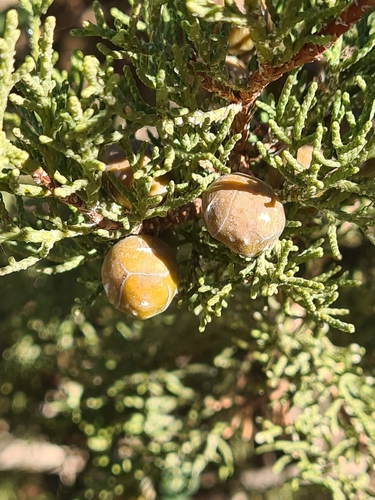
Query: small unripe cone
{"type": "Point", "coordinates": [140, 276]}
{"type": "Point", "coordinates": [243, 213]}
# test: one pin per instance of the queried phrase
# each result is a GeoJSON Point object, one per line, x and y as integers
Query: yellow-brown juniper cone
{"type": "Point", "coordinates": [243, 213]}
{"type": "Point", "coordinates": [120, 167]}
{"type": "Point", "coordinates": [140, 276]}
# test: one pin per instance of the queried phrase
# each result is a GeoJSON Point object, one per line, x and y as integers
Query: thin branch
{"type": "Point", "coordinates": [174, 217]}
{"type": "Point", "coordinates": [267, 73]}
{"type": "Point", "coordinates": [152, 226]}
{"type": "Point", "coordinates": [41, 177]}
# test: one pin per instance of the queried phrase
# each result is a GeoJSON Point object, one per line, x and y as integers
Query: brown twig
{"type": "Point", "coordinates": [180, 215]}
{"type": "Point", "coordinates": [41, 177]}
{"type": "Point", "coordinates": [267, 73]}
{"type": "Point", "coordinates": [154, 225]}
{"type": "Point", "coordinates": [310, 52]}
